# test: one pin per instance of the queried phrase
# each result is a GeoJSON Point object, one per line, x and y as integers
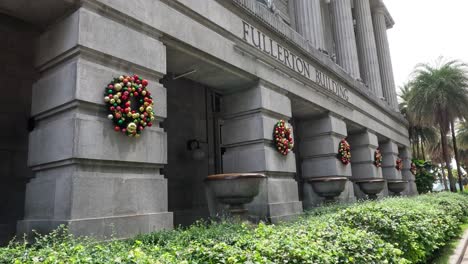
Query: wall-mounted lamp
{"type": "Point", "coordinates": [193, 146]}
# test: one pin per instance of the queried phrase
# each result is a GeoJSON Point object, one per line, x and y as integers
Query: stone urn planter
{"type": "Point", "coordinates": [328, 187]}
{"type": "Point", "coordinates": [397, 186]}
{"type": "Point", "coordinates": [371, 187]}
{"type": "Point", "coordinates": [235, 190]}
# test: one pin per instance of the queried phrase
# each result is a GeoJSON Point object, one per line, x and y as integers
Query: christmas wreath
{"type": "Point", "coordinates": [413, 169]}
{"type": "Point", "coordinates": [130, 104]}
{"type": "Point", "coordinates": [283, 137]}
{"type": "Point", "coordinates": [344, 152]}
{"type": "Point", "coordinates": [378, 158]}
{"type": "Point", "coordinates": [399, 164]}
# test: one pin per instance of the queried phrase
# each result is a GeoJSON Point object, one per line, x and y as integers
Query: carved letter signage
{"type": "Point", "coordinates": [267, 45]}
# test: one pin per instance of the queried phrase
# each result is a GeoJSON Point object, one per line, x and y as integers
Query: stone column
{"type": "Point", "coordinates": [390, 155]}
{"type": "Point", "coordinates": [405, 155]}
{"type": "Point", "coordinates": [309, 22]}
{"type": "Point", "coordinates": [363, 147]}
{"type": "Point", "coordinates": [87, 176]}
{"type": "Point", "coordinates": [368, 58]}
{"type": "Point", "coordinates": [318, 146]}
{"type": "Point", "coordinates": [345, 40]}
{"type": "Point", "coordinates": [383, 51]}
{"type": "Point", "coordinates": [247, 136]}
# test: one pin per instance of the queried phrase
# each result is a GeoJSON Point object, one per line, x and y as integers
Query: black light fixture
{"type": "Point", "coordinates": [193, 146]}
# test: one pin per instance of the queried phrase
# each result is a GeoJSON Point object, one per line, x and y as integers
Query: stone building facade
{"type": "Point", "coordinates": [222, 73]}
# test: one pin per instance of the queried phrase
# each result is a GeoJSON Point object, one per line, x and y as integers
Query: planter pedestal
{"type": "Point", "coordinates": [371, 187]}
{"type": "Point", "coordinates": [235, 190]}
{"type": "Point", "coordinates": [328, 187]}
{"type": "Point", "coordinates": [396, 186]}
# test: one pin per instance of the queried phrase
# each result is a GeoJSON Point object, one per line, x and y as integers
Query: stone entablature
{"type": "Point", "coordinates": [263, 15]}
{"type": "Point", "coordinates": [269, 19]}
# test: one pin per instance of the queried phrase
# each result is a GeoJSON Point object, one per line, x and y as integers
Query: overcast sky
{"type": "Point", "coordinates": [425, 30]}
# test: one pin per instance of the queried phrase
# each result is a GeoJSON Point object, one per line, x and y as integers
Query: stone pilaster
{"type": "Point", "coordinates": [96, 181]}
{"type": "Point", "coordinates": [247, 136]}
{"type": "Point", "coordinates": [309, 22]}
{"type": "Point", "coordinates": [385, 61]}
{"type": "Point", "coordinates": [318, 144]}
{"type": "Point", "coordinates": [363, 147]}
{"type": "Point", "coordinates": [365, 38]}
{"type": "Point", "coordinates": [390, 155]}
{"type": "Point", "coordinates": [405, 155]}
{"type": "Point", "coordinates": [345, 40]}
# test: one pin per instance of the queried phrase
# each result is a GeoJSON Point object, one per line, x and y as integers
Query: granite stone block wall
{"type": "Point", "coordinates": [87, 176]}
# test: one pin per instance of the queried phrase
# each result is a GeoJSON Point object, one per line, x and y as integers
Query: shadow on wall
{"type": "Point", "coordinates": [16, 55]}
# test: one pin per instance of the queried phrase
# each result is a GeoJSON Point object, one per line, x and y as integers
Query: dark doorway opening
{"type": "Point", "coordinates": [192, 127]}
{"type": "Point", "coordinates": [18, 73]}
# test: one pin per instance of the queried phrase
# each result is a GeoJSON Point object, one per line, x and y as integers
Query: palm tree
{"type": "Point", "coordinates": [419, 135]}
{"type": "Point", "coordinates": [436, 156]}
{"type": "Point", "coordinates": [462, 138]}
{"type": "Point", "coordinates": [438, 96]}
{"type": "Point", "coordinates": [462, 134]}
{"type": "Point", "coordinates": [456, 152]}
{"type": "Point", "coordinates": [463, 158]}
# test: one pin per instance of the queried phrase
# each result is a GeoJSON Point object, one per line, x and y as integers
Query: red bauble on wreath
{"type": "Point", "coordinates": [120, 93]}
{"type": "Point", "coordinates": [283, 137]}
{"type": "Point", "coordinates": [399, 164]}
{"type": "Point", "coordinates": [378, 158]}
{"type": "Point", "coordinates": [344, 152]}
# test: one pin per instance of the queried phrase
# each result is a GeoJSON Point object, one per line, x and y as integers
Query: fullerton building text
{"type": "Point", "coordinates": [259, 40]}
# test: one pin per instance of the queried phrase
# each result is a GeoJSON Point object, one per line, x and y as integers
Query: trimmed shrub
{"type": "Point", "coordinates": [417, 226]}
{"type": "Point", "coordinates": [394, 230]}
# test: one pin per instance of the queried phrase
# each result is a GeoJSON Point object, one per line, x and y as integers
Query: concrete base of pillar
{"type": "Point", "coordinates": [347, 196]}
{"type": "Point", "coordinates": [360, 195]}
{"type": "Point", "coordinates": [277, 201]}
{"type": "Point", "coordinates": [312, 199]}
{"type": "Point", "coordinates": [97, 200]}
{"type": "Point", "coordinates": [385, 192]}
{"type": "Point", "coordinates": [104, 227]}
{"type": "Point", "coordinates": [411, 190]}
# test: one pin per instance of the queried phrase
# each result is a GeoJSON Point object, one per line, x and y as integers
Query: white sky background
{"type": "Point", "coordinates": [425, 30]}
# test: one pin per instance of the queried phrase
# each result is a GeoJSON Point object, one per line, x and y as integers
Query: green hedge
{"type": "Point", "coordinates": [397, 230]}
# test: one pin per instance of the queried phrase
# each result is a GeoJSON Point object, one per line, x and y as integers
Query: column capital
{"type": "Point", "coordinates": [379, 8]}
